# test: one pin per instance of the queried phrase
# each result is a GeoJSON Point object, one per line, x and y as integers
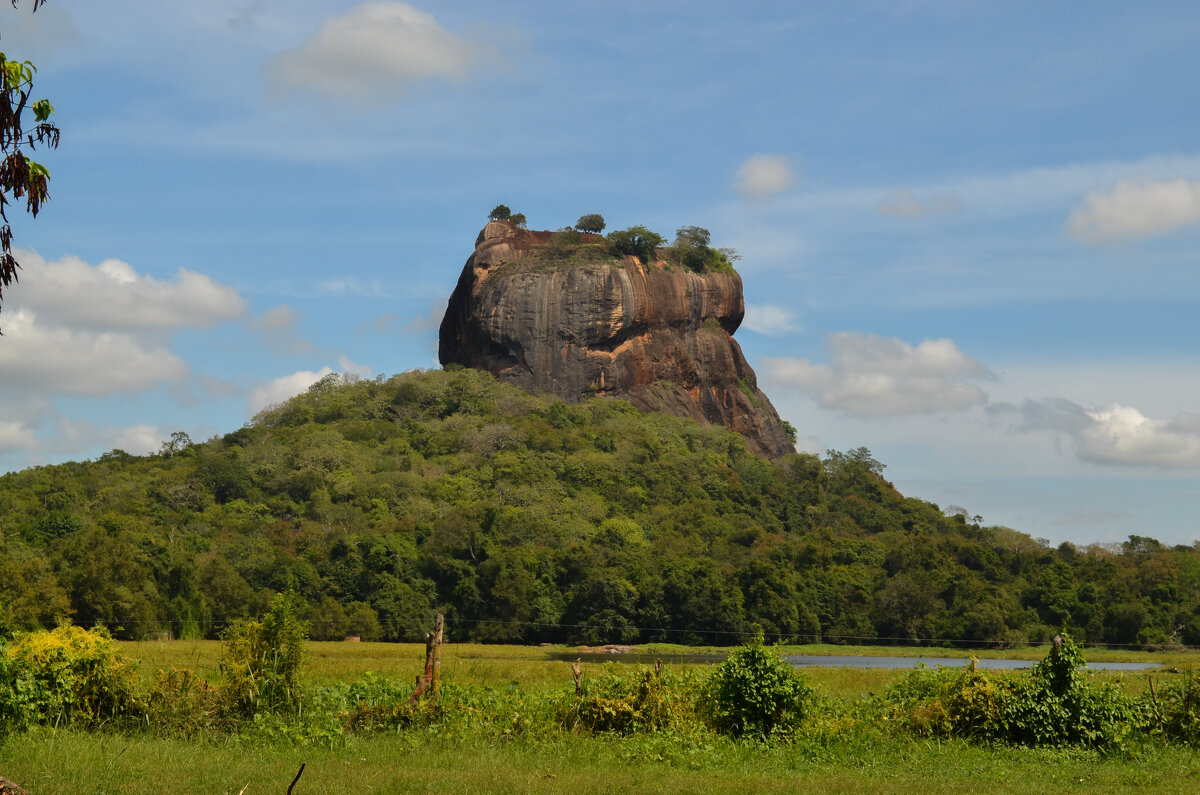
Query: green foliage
{"type": "Point", "coordinates": [182, 704]}
{"type": "Point", "coordinates": [525, 519]}
{"type": "Point", "coordinates": [646, 701]}
{"type": "Point", "coordinates": [65, 676]}
{"type": "Point", "coordinates": [1061, 705]}
{"type": "Point", "coordinates": [20, 176]}
{"type": "Point", "coordinates": [500, 213]}
{"type": "Point", "coordinates": [30, 595]}
{"type": "Point", "coordinates": [1175, 711]}
{"type": "Point", "coordinates": [260, 661]}
{"type": "Point", "coordinates": [591, 222]}
{"type": "Point", "coordinates": [1057, 704]}
{"type": "Point", "coordinates": [755, 692]}
{"type": "Point", "coordinates": [635, 241]}
{"type": "Point", "coordinates": [692, 251]}
{"type": "Point", "coordinates": [518, 220]}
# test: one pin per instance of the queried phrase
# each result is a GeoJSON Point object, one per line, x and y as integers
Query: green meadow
{"type": "Point", "coordinates": [498, 733]}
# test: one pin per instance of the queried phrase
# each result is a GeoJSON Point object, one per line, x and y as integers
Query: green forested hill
{"type": "Point", "coordinates": [531, 520]}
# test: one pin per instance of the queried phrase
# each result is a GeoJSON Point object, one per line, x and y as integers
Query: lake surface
{"type": "Point", "coordinates": [834, 661]}
{"type": "Point", "coordinates": [846, 661]}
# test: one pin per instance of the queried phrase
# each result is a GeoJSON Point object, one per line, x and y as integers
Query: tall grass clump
{"type": "Point", "coordinates": [260, 661]}
{"type": "Point", "coordinates": [1176, 710]}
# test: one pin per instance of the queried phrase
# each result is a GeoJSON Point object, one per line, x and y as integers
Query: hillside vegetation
{"type": "Point", "coordinates": [530, 520]}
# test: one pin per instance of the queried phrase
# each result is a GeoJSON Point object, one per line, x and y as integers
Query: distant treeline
{"type": "Point", "coordinates": [528, 520]}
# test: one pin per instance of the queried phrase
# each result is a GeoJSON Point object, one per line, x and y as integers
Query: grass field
{"type": "Point", "coordinates": [535, 668]}
{"type": "Point", "coordinates": [424, 760]}
{"type": "Point", "coordinates": [46, 762]}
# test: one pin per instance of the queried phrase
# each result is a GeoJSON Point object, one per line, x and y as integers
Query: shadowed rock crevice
{"type": "Point", "coordinates": [655, 335]}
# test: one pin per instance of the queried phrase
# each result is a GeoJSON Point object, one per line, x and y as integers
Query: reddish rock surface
{"type": "Point", "coordinates": [660, 337]}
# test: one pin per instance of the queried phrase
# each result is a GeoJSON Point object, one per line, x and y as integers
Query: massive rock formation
{"type": "Point", "coordinates": [571, 321]}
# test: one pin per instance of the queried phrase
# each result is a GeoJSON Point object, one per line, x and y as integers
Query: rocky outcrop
{"type": "Point", "coordinates": [573, 325]}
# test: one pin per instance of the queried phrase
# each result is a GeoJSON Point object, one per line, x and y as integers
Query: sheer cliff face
{"type": "Point", "coordinates": [661, 339]}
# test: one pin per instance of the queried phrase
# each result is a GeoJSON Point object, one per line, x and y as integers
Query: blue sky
{"type": "Point", "coordinates": [968, 231]}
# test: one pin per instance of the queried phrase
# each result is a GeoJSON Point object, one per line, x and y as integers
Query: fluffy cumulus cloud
{"type": "Point", "coordinates": [114, 296]}
{"type": "Point", "coordinates": [1135, 209]}
{"type": "Point", "coordinates": [763, 176]}
{"type": "Point", "coordinates": [79, 329]}
{"type": "Point", "coordinates": [277, 390]}
{"type": "Point", "coordinates": [873, 376]}
{"type": "Point", "coordinates": [903, 203]}
{"type": "Point", "coordinates": [37, 357]}
{"type": "Point", "coordinates": [15, 436]}
{"type": "Point", "coordinates": [76, 330]}
{"type": "Point", "coordinates": [1114, 434]}
{"type": "Point", "coordinates": [770, 320]}
{"type": "Point", "coordinates": [71, 435]}
{"type": "Point", "coordinates": [373, 52]}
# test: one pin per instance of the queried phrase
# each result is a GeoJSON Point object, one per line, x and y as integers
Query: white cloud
{"type": "Point", "coordinates": [135, 439]}
{"type": "Point", "coordinates": [15, 436]}
{"type": "Point", "coordinates": [1135, 209]}
{"type": "Point", "coordinates": [277, 390]}
{"type": "Point", "coordinates": [762, 176]}
{"type": "Point", "coordinates": [39, 358]}
{"type": "Point", "coordinates": [372, 53]}
{"type": "Point", "coordinates": [353, 368]}
{"type": "Point", "coordinates": [904, 204]}
{"type": "Point", "coordinates": [1115, 434]}
{"type": "Point", "coordinates": [114, 296]}
{"type": "Point", "coordinates": [873, 376]}
{"type": "Point", "coordinates": [75, 434]}
{"type": "Point", "coordinates": [770, 320]}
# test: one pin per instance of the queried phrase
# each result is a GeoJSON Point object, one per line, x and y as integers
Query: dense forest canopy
{"type": "Point", "coordinates": [529, 520]}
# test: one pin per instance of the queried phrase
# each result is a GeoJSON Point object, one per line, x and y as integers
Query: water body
{"type": "Point", "coordinates": [838, 661]}
{"type": "Point", "coordinates": [834, 661]}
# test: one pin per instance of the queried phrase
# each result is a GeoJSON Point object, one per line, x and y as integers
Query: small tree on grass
{"type": "Point", "coordinates": [755, 692]}
{"type": "Point", "coordinates": [592, 222]}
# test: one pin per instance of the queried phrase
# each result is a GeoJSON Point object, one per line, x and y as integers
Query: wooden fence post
{"type": "Point", "coordinates": [437, 656]}
{"type": "Point", "coordinates": [433, 663]}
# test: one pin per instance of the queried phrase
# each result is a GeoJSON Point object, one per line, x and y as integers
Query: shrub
{"type": "Point", "coordinates": [636, 241]}
{"type": "Point", "coordinates": [1061, 705]}
{"type": "Point", "coordinates": [1057, 705]}
{"type": "Point", "coordinates": [645, 701]}
{"type": "Point", "coordinates": [755, 691]}
{"type": "Point", "coordinates": [260, 661]}
{"type": "Point", "coordinates": [68, 675]}
{"type": "Point", "coordinates": [692, 251]}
